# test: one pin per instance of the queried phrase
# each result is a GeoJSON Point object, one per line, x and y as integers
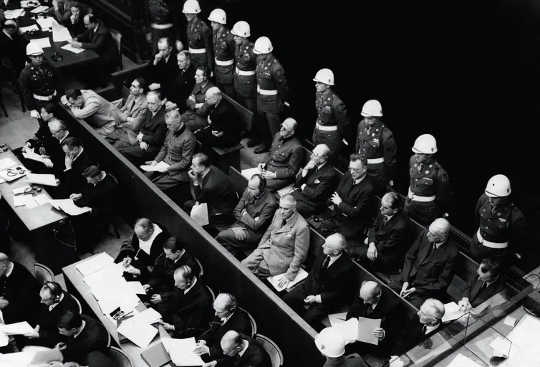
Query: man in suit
{"type": "Point", "coordinates": [151, 134]}
{"type": "Point", "coordinates": [83, 336]}
{"type": "Point", "coordinates": [223, 129]}
{"type": "Point", "coordinates": [329, 285]}
{"type": "Point", "coordinates": [188, 310]}
{"type": "Point", "coordinates": [163, 67]}
{"type": "Point", "coordinates": [184, 81]}
{"type": "Point", "coordinates": [211, 186]}
{"type": "Point", "coordinates": [253, 214]}
{"type": "Point", "coordinates": [386, 241]}
{"type": "Point", "coordinates": [286, 157]}
{"type": "Point", "coordinates": [131, 112]}
{"type": "Point", "coordinates": [241, 351]}
{"type": "Point", "coordinates": [315, 182]}
{"type": "Point", "coordinates": [99, 192]}
{"type": "Point", "coordinates": [331, 343]}
{"type": "Point", "coordinates": [19, 290]}
{"type": "Point", "coordinates": [72, 19]}
{"type": "Point", "coordinates": [176, 152]}
{"type": "Point", "coordinates": [227, 317]}
{"type": "Point", "coordinates": [429, 263]}
{"type": "Point", "coordinates": [76, 161]}
{"type": "Point", "coordinates": [13, 46]}
{"type": "Point", "coordinates": [284, 246]}
{"type": "Point", "coordinates": [53, 147]}
{"type": "Point", "coordinates": [487, 282]}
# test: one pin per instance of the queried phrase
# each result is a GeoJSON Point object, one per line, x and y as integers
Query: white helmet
{"type": "Point", "coordinates": [218, 15]}
{"type": "Point", "coordinates": [372, 108]}
{"type": "Point", "coordinates": [498, 186]}
{"type": "Point", "coordinates": [425, 144]}
{"type": "Point", "coordinates": [191, 7]}
{"type": "Point", "coordinates": [262, 46]}
{"type": "Point", "coordinates": [33, 50]}
{"type": "Point", "coordinates": [330, 342]}
{"type": "Point", "coordinates": [325, 76]}
{"type": "Point", "coordinates": [241, 29]}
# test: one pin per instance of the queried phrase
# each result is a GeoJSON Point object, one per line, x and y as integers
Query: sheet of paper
{"type": "Point", "coordinates": [40, 9]}
{"type": "Point", "coordinates": [247, 173]}
{"type": "Point", "coordinates": [181, 351]}
{"type": "Point", "coordinates": [29, 154]}
{"type": "Point", "coordinates": [19, 200]}
{"type": "Point", "coordinates": [41, 42]}
{"type": "Point", "coordinates": [94, 263]}
{"type": "Point", "coordinates": [274, 280]}
{"type": "Point", "coordinates": [284, 191]}
{"type": "Point", "coordinates": [75, 50]}
{"type": "Point", "coordinates": [18, 328]}
{"type": "Point", "coordinates": [336, 318]}
{"type": "Point", "coordinates": [69, 207]}
{"type": "Point", "coordinates": [148, 316]}
{"type": "Point", "coordinates": [20, 190]}
{"type": "Point", "coordinates": [365, 329]}
{"type": "Point", "coordinates": [501, 347]}
{"type": "Point", "coordinates": [199, 213]}
{"type": "Point", "coordinates": [451, 312]}
{"type": "Point", "coordinates": [42, 199]}
{"type": "Point", "coordinates": [348, 329]}
{"type": "Point", "coordinates": [158, 167]}
{"type": "Point", "coordinates": [13, 13]}
{"type": "Point", "coordinates": [30, 202]}
{"type": "Point", "coordinates": [42, 179]}
{"type": "Point", "coordinates": [30, 28]}
{"type": "Point", "coordinates": [60, 33]}
{"type": "Point", "coordinates": [136, 287]}
{"type": "Point", "coordinates": [4, 340]}
{"type": "Point", "coordinates": [525, 341]}
{"type": "Point", "coordinates": [7, 163]}
{"type": "Point", "coordinates": [461, 361]}
{"type": "Point", "coordinates": [510, 321]}
{"type": "Point", "coordinates": [138, 332]}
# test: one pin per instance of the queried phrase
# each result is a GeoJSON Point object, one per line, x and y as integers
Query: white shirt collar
{"type": "Point", "coordinates": [333, 259]}
{"type": "Point", "coordinates": [80, 330]}
{"type": "Point", "coordinates": [147, 245]}
{"type": "Point", "coordinates": [65, 136]}
{"type": "Point", "coordinates": [430, 328]}
{"type": "Point", "coordinates": [191, 286]}
{"type": "Point", "coordinates": [224, 320]}
{"type": "Point", "coordinates": [246, 346]}
{"type": "Point", "coordinates": [77, 156]}
{"type": "Point", "coordinates": [10, 269]}
{"type": "Point", "coordinates": [56, 304]}
{"type": "Point", "coordinates": [357, 181]}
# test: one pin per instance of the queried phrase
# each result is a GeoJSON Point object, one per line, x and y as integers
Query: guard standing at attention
{"type": "Point", "coordinates": [37, 81]}
{"type": "Point", "coordinates": [199, 37]}
{"type": "Point", "coordinates": [245, 84]}
{"type": "Point", "coordinates": [376, 145]}
{"type": "Point", "coordinates": [223, 51]}
{"type": "Point", "coordinates": [332, 123]}
{"type": "Point", "coordinates": [429, 188]}
{"type": "Point", "coordinates": [501, 223]}
{"type": "Point", "coordinates": [272, 94]}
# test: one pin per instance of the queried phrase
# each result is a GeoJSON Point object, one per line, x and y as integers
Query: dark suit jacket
{"type": "Point", "coordinates": [409, 333]}
{"type": "Point", "coordinates": [21, 289]}
{"type": "Point", "coordinates": [216, 191]}
{"type": "Point", "coordinates": [101, 196]}
{"type": "Point", "coordinates": [477, 295]}
{"type": "Point", "coordinates": [182, 86]}
{"type": "Point", "coordinates": [72, 180]}
{"type": "Point", "coordinates": [102, 42]}
{"type": "Point", "coordinates": [77, 28]}
{"type": "Point", "coordinates": [320, 183]}
{"type": "Point", "coordinates": [11, 4]}
{"type": "Point", "coordinates": [358, 199]}
{"type": "Point", "coordinates": [55, 153]}
{"type": "Point", "coordinates": [13, 55]}
{"type": "Point", "coordinates": [164, 73]}
{"type": "Point", "coordinates": [391, 240]}
{"type": "Point", "coordinates": [224, 118]}
{"type": "Point", "coordinates": [47, 320]}
{"type": "Point", "coordinates": [239, 322]}
{"type": "Point", "coordinates": [154, 128]}
{"type": "Point", "coordinates": [263, 208]}
{"type": "Point", "coordinates": [254, 356]}
{"type": "Point", "coordinates": [93, 337]}
{"type": "Point", "coordinates": [429, 275]}
{"type": "Point", "coordinates": [161, 277]}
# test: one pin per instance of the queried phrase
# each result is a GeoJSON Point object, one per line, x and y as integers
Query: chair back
{"type": "Point", "coordinates": [251, 321]}
{"type": "Point", "coordinates": [43, 273]}
{"type": "Point", "coordinates": [212, 294]}
{"type": "Point", "coordinates": [117, 37]}
{"type": "Point", "coordinates": [119, 357]}
{"type": "Point", "coordinates": [77, 302]}
{"type": "Point", "coordinates": [275, 354]}
{"type": "Point", "coordinates": [201, 272]}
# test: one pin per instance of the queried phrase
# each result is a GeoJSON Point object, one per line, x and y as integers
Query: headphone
{"type": "Point", "coordinates": [55, 289]}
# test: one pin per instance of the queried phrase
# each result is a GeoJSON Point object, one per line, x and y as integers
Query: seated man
{"type": "Point", "coordinates": [184, 81]}
{"type": "Point", "coordinates": [53, 147]}
{"type": "Point", "coordinates": [227, 317]}
{"type": "Point", "coordinates": [96, 110]}
{"type": "Point", "coordinates": [161, 72]}
{"type": "Point", "coordinates": [429, 264]}
{"type": "Point", "coordinates": [329, 286]}
{"type": "Point", "coordinates": [74, 21]}
{"type": "Point", "coordinates": [386, 241]}
{"type": "Point", "coordinates": [177, 152]}
{"type": "Point", "coordinates": [83, 336]}
{"type": "Point", "coordinates": [241, 351]}
{"type": "Point", "coordinates": [284, 246]}
{"type": "Point", "coordinates": [130, 112]}
{"type": "Point", "coordinates": [487, 282]}
{"type": "Point", "coordinates": [211, 186]}
{"type": "Point", "coordinates": [253, 214]}
{"type": "Point", "coordinates": [76, 161]}
{"type": "Point", "coordinates": [188, 310]}
{"type": "Point", "coordinates": [351, 206]}
{"type": "Point", "coordinates": [99, 192]}
{"type": "Point", "coordinates": [174, 255]}
{"type": "Point", "coordinates": [286, 157]}
{"type": "Point", "coordinates": [19, 300]}
{"type": "Point", "coordinates": [315, 182]}
{"type": "Point", "coordinates": [197, 110]}
{"type": "Point", "coordinates": [139, 254]}
{"type": "Point", "coordinates": [223, 129]}
{"type": "Point", "coordinates": [151, 134]}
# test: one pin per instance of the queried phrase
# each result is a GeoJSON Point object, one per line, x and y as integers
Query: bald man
{"type": "Point", "coordinates": [242, 352]}
{"type": "Point", "coordinates": [429, 264]}
{"type": "Point", "coordinates": [284, 246]}
{"type": "Point", "coordinates": [315, 182]}
{"type": "Point", "coordinates": [329, 286]}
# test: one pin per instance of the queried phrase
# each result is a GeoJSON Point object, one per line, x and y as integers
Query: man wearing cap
{"type": "Point", "coordinates": [245, 84]}
{"type": "Point", "coordinates": [37, 80]}
{"type": "Point", "coordinates": [13, 47]}
{"type": "Point", "coordinates": [429, 187]}
{"type": "Point", "coordinates": [199, 36]}
{"type": "Point", "coordinates": [331, 343]}
{"type": "Point", "coordinates": [376, 145]}
{"type": "Point", "coordinates": [284, 246]}
{"type": "Point", "coordinates": [224, 46]}
{"type": "Point", "coordinates": [272, 94]}
{"type": "Point", "coordinates": [500, 222]}
{"type": "Point", "coordinates": [332, 124]}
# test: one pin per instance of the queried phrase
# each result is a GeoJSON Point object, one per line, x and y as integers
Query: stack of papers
{"type": "Point", "coordinates": [41, 42]}
{"type": "Point", "coordinates": [25, 200]}
{"type": "Point", "coordinates": [247, 173]}
{"type": "Point", "coordinates": [274, 280]}
{"type": "Point", "coordinates": [60, 33]}
{"type": "Point", "coordinates": [158, 167]}
{"type": "Point", "coordinates": [181, 351]}
{"type": "Point", "coordinates": [40, 9]}
{"type": "Point", "coordinates": [18, 328]}
{"type": "Point", "coordinates": [13, 14]}
{"type": "Point", "coordinates": [42, 179]}
{"type": "Point", "coordinates": [70, 48]}
{"type": "Point", "coordinates": [69, 207]}
{"type": "Point", "coordinates": [199, 213]}
{"type": "Point", "coordinates": [138, 332]}
{"type": "Point", "coordinates": [36, 157]}
{"type": "Point", "coordinates": [452, 312]}
{"type": "Point", "coordinates": [94, 264]}
{"type": "Point", "coordinates": [30, 28]}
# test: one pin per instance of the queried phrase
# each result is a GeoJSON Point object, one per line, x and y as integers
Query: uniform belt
{"type": "Point", "coordinates": [420, 198]}
{"type": "Point", "coordinates": [267, 92]}
{"type": "Point", "coordinates": [161, 26]}
{"type": "Point", "coordinates": [375, 160]}
{"type": "Point", "coordinates": [245, 72]}
{"type": "Point", "coordinates": [224, 63]}
{"type": "Point", "coordinates": [484, 242]}
{"type": "Point", "coordinates": [44, 98]}
{"type": "Point", "coordinates": [326, 127]}
{"type": "Point", "coordinates": [197, 50]}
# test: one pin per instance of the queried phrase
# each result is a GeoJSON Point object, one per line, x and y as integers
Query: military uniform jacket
{"type": "Point", "coordinates": [199, 36]}
{"type": "Point", "coordinates": [271, 76]}
{"type": "Point", "coordinates": [286, 157]}
{"type": "Point", "coordinates": [199, 92]}
{"type": "Point", "coordinates": [40, 80]}
{"type": "Point", "coordinates": [374, 142]}
{"type": "Point", "coordinates": [285, 245]}
{"type": "Point", "coordinates": [177, 151]}
{"type": "Point", "coordinates": [320, 183]}
{"type": "Point", "coordinates": [154, 128]}
{"type": "Point", "coordinates": [223, 51]}
{"type": "Point", "coordinates": [260, 211]}
{"type": "Point", "coordinates": [430, 179]}
{"type": "Point", "coordinates": [331, 111]}
{"type": "Point", "coordinates": [246, 60]}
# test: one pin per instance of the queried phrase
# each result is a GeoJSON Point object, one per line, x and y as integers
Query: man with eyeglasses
{"type": "Point", "coordinates": [132, 109]}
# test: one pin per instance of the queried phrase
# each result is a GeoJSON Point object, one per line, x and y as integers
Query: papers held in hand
{"type": "Point", "coordinates": [199, 213]}
{"type": "Point", "coordinates": [139, 333]}
{"type": "Point", "coordinates": [42, 179]}
{"type": "Point", "coordinates": [452, 312]}
{"type": "Point", "coordinates": [70, 48]}
{"type": "Point", "coordinates": [247, 173]}
{"type": "Point", "coordinates": [69, 207]}
{"type": "Point", "coordinates": [359, 329]}
{"type": "Point", "coordinates": [275, 280]}
{"type": "Point", "coordinates": [158, 167]}
{"type": "Point", "coordinates": [181, 351]}
{"type": "Point", "coordinates": [18, 328]}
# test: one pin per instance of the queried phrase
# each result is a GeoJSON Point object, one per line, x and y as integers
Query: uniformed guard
{"type": "Point", "coordinates": [223, 51]}
{"type": "Point", "coordinates": [161, 22]}
{"type": "Point", "coordinates": [199, 37]}
{"type": "Point", "coordinates": [501, 225]}
{"type": "Point", "coordinates": [37, 81]}
{"type": "Point", "coordinates": [429, 188]}
{"type": "Point", "coordinates": [376, 145]}
{"type": "Point", "coordinates": [332, 122]}
{"type": "Point", "coordinates": [245, 84]}
{"type": "Point", "coordinates": [272, 93]}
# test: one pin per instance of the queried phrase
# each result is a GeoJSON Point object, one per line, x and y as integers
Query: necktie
{"type": "Point", "coordinates": [325, 262]}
